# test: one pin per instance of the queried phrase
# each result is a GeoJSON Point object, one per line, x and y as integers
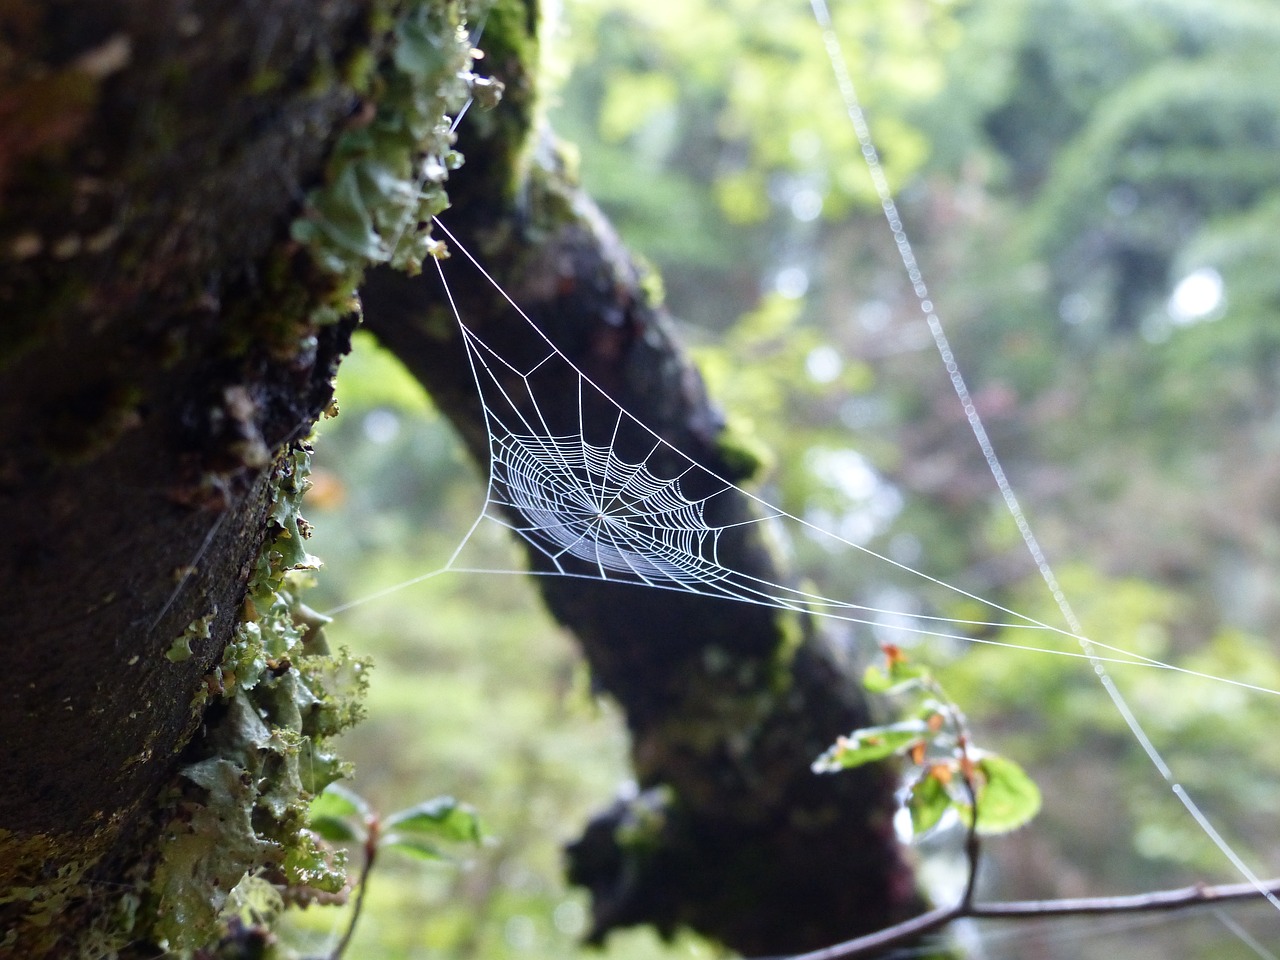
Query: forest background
{"type": "Point", "coordinates": [1094, 191]}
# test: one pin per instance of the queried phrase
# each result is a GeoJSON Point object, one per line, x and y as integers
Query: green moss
{"type": "Point", "coordinates": [500, 138]}
{"type": "Point", "coordinates": [264, 81]}
{"type": "Point", "coordinates": [652, 290]}
{"type": "Point", "coordinates": [744, 455]}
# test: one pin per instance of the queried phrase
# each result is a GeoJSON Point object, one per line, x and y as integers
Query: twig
{"type": "Point", "coordinates": [372, 825]}
{"type": "Point", "coordinates": [1198, 894]}
{"type": "Point", "coordinates": [972, 842]}
{"type": "Point", "coordinates": [1182, 898]}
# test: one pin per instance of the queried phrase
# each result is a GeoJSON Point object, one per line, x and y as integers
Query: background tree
{"type": "Point", "coordinates": [1165, 520]}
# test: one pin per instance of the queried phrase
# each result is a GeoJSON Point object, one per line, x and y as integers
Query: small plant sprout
{"type": "Point", "coordinates": [946, 772]}
{"type": "Point", "coordinates": [340, 815]}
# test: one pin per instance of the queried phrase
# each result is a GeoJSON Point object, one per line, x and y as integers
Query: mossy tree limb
{"type": "Point", "coordinates": [727, 703]}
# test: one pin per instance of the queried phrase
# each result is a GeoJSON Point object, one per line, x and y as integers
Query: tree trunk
{"type": "Point", "coordinates": [727, 703]}
{"type": "Point", "coordinates": [165, 346]}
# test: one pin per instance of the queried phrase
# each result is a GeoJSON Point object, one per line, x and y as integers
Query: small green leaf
{"type": "Point", "coordinates": [414, 846]}
{"type": "Point", "coordinates": [927, 803]}
{"type": "Point", "coordinates": [443, 818]}
{"type": "Point", "coordinates": [1007, 797]}
{"type": "Point", "coordinates": [901, 676]}
{"type": "Point", "coordinates": [336, 830]}
{"type": "Point", "coordinates": [339, 814]}
{"type": "Point", "coordinates": [870, 744]}
{"type": "Point", "coordinates": [339, 801]}
{"type": "Point", "coordinates": [876, 681]}
{"type": "Point", "coordinates": [903, 672]}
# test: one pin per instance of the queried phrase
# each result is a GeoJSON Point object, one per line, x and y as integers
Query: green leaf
{"type": "Point", "coordinates": [876, 680]}
{"type": "Point", "coordinates": [870, 744]}
{"type": "Point", "coordinates": [903, 672]}
{"type": "Point", "coordinates": [1007, 798]}
{"type": "Point", "coordinates": [443, 818]}
{"type": "Point", "coordinates": [901, 676]}
{"type": "Point", "coordinates": [339, 801]}
{"type": "Point", "coordinates": [337, 830]}
{"type": "Point", "coordinates": [414, 846]}
{"type": "Point", "coordinates": [339, 814]}
{"type": "Point", "coordinates": [927, 802]}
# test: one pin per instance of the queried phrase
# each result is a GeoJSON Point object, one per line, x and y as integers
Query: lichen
{"type": "Point", "coordinates": [233, 844]}
{"type": "Point", "coordinates": [233, 837]}
{"type": "Point", "coordinates": [198, 629]}
{"type": "Point", "coordinates": [385, 177]}
{"type": "Point", "coordinates": [239, 808]}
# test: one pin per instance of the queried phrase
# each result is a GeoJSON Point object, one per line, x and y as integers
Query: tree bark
{"type": "Point", "coordinates": [157, 357]}
{"type": "Point", "coordinates": [727, 703]}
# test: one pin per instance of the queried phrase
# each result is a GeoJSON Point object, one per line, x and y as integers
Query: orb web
{"type": "Point", "coordinates": [579, 499]}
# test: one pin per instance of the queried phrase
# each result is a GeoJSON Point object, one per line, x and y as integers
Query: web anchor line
{"type": "Point", "coordinates": [857, 118]}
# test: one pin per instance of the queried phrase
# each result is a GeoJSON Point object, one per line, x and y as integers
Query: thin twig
{"type": "Point", "coordinates": [1198, 894]}
{"type": "Point", "coordinates": [372, 825]}
{"type": "Point", "coordinates": [1180, 899]}
{"type": "Point", "coordinates": [972, 841]}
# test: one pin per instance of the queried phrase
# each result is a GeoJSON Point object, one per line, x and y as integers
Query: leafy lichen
{"type": "Point", "coordinates": [240, 807]}
{"type": "Point", "coordinates": [386, 174]}
{"type": "Point", "coordinates": [198, 629]}
{"type": "Point", "coordinates": [233, 840]}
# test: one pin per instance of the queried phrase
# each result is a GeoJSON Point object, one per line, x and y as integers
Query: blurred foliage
{"type": "Point", "coordinates": [1093, 189]}
{"type": "Point", "coordinates": [688, 115]}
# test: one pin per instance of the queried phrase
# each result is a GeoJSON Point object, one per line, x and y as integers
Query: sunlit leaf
{"type": "Point", "coordinates": [870, 744]}
{"type": "Point", "coordinates": [442, 818]}
{"type": "Point", "coordinates": [1007, 797]}
{"type": "Point", "coordinates": [901, 676]}
{"type": "Point", "coordinates": [876, 680]}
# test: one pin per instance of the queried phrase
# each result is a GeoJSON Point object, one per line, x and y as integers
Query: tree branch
{"type": "Point", "coordinates": [1196, 895]}
{"type": "Point", "coordinates": [1182, 898]}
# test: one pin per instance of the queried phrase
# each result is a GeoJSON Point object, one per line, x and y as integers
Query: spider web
{"type": "Point", "coordinates": [558, 481]}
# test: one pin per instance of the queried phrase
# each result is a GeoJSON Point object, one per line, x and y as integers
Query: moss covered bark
{"type": "Point", "coordinates": [168, 339]}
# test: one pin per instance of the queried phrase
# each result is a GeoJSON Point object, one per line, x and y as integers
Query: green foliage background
{"type": "Point", "coordinates": [1061, 167]}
